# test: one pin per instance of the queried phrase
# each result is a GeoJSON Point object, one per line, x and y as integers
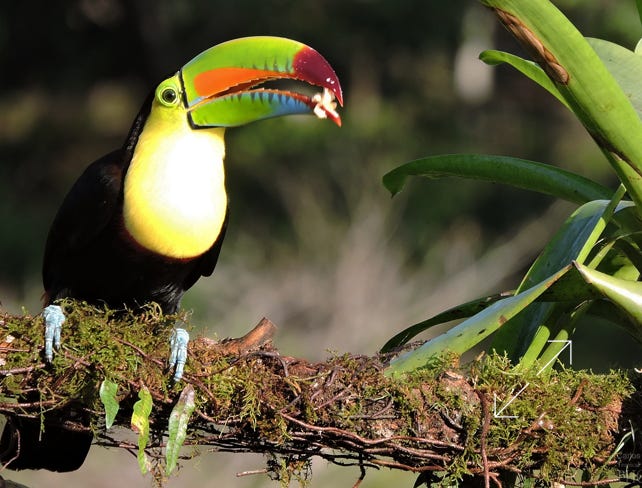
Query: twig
{"type": "Point", "coordinates": [251, 473]}
{"type": "Point", "coordinates": [591, 483]}
{"type": "Point", "coordinates": [484, 434]}
{"type": "Point", "coordinates": [362, 474]}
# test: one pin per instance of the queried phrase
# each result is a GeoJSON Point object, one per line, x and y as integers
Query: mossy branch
{"type": "Point", "coordinates": [443, 421]}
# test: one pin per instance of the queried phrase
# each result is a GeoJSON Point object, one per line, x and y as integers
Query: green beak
{"type": "Point", "coordinates": [221, 85]}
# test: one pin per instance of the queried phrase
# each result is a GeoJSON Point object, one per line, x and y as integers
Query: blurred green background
{"type": "Point", "coordinates": [315, 243]}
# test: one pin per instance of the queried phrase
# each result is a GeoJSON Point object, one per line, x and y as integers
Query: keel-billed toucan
{"type": "Point", "coordinates": [145, 222]}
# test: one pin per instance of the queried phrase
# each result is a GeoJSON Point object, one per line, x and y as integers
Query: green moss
{"type": "Point", "coordinates": [556, 422]}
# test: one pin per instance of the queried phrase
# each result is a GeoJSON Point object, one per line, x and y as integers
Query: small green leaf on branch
{"type": "Point", "coordinates": [108, 391]}
{"type": "Point", "coordinates": [177, 429]}
{"type": "Point", "coordinates": [140, 424]}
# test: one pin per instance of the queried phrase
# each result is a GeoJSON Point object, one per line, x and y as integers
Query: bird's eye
{"type": "Point", "coordinates": [169, 96]}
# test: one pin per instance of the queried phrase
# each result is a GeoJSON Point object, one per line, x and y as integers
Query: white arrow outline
{"type": "Point", "coordinates": [498, 413]}
{"type": "Point", "coordinates": [568, 344]}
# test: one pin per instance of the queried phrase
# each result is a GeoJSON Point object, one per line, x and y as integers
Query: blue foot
{"type": "Point", "coordinates": [178, 354]}
{"type": "Point", "coordinates": [54, 318]}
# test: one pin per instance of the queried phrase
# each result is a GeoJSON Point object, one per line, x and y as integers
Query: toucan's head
{"type": "Point", "coordinates": [221, 87]}
{"type": "Point", "coordinates": [174, 190]}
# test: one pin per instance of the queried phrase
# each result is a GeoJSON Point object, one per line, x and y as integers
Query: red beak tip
{"type": "Point", "coordinates": [310, 66]}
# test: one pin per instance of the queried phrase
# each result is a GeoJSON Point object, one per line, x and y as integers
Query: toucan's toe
{"type": "Point", "coordinates": [178, 354]}
{"type": "Point", "coordinates": [54, 318]}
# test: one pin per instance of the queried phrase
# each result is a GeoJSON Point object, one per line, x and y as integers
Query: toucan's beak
{"type": "Point", "coordinates": [222, 84]}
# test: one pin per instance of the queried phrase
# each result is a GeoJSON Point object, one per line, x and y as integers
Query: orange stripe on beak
{"type": "Point", "coordinates": [212, 82]}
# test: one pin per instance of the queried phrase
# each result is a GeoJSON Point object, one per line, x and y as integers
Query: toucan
{"type": "Point", "coordinates": [143, 223]}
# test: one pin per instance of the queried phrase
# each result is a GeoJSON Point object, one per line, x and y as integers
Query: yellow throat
{"type": "Point", "coordinates": [175, 200]}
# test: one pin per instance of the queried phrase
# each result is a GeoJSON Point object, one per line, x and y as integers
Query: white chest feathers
{"type": "Point", "coordinates": [174, 196]}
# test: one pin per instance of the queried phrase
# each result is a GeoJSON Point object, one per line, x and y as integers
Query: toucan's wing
{"type": "Point", "coordinates": [83, 215]}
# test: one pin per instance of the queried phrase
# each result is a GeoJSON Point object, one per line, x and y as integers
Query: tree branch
{"type": "Point", "coordinates": [249, 398]}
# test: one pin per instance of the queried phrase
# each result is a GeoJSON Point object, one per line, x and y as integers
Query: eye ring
{"type": "Point", "coordinates": [169, 96]}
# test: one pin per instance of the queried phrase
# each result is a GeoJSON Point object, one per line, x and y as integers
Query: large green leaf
{"type": "Point", "coordinates": [588, 87]}
{"type": "Point", "coordinates": [516, 172]}
{"type": "Point", "coordinates": [626, 294]}
{"type": "Point", "coordinates": [573, 241]}
{"type": "Point", "coordinates": [470, 332]}
{"type": "Point", "coordinates": [576, 282]}
{"type": "Point", "coordinates": [462, 311]}
{"type": "Point", "coordinates": [621, 307]}
{"type": "Point", "coordinates": [622, 63]}
{"type": "Point", "coordinates": [625, 66]}
{"type": "Point", "coordinates": [528, 68]}
{"type": "Point", "coordinates": [574, 292]}
{"type": "Point", "coordinates": [618, 257]}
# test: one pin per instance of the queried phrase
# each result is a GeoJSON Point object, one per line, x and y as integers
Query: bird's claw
{"type": "Point", "coordinates": [54, 318]}
{"type": "Point", "coordinates": [178, 355]}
